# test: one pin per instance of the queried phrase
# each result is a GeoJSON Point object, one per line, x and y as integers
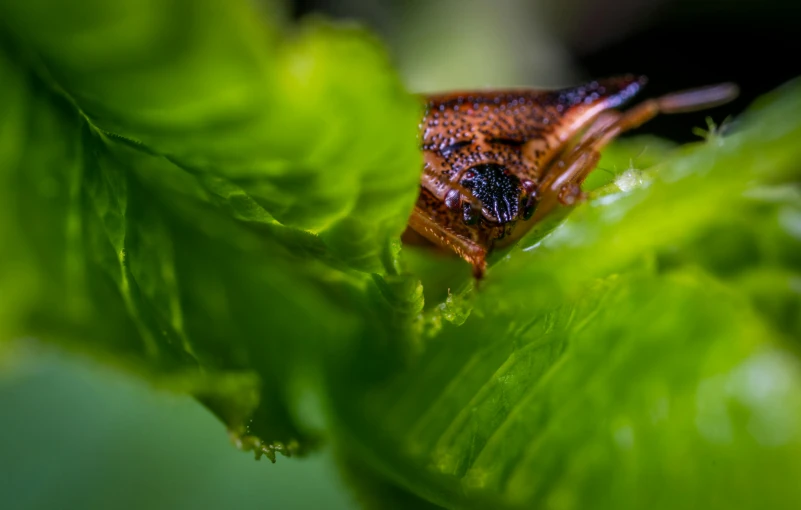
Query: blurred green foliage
{"type": "Point", "coordinates": [213, 203]}
{"type": "Point", "coordinates": [79, 436]}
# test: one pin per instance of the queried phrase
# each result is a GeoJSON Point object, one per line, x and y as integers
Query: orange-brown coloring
{"type": "Point", "coordinates": [494, 157]}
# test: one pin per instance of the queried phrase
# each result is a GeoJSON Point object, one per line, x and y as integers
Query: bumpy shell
{"type": "Point", "coordinates": [521, 131]}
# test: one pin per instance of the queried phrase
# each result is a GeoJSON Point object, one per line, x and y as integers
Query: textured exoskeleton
{"type": "Point", "coordinates": [497, 161]}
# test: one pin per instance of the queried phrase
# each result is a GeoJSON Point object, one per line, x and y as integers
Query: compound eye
{"type": "Point", "coordinates": [529, 186]}
{"type": "Point", "coordinates": [469, 215]}
{"type": "Point", "coordinates": [452, 199]}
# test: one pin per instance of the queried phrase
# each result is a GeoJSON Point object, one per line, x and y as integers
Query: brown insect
{"type": "Point", "coordinates": [497, 161]}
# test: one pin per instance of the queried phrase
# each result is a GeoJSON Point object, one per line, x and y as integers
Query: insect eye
{"type": "Point", "coordinates": [452, 199]}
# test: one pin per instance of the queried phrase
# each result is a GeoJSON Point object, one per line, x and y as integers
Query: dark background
{"type": "Point", "coordinates": [676, 43]}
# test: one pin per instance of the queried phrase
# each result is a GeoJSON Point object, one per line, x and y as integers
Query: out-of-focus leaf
{"type": "Point", "coordinates": [185, 190]}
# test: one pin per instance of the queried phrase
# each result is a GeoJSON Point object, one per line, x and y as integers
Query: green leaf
{"type": "Point", "coordinates": [185, 190]}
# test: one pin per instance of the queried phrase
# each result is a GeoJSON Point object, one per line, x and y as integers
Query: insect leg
{"type": "Point", "coordinates": [676, 102]}
{"type": "Point", "coordinates": [435, 181]}
{"type": "Point", "coordinates": [567, 173]}
{"type": "Point", "coordinates": [440, 235]}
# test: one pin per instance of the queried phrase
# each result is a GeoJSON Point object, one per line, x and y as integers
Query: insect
{"type": "Point", "coordinates": [495, 162]}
